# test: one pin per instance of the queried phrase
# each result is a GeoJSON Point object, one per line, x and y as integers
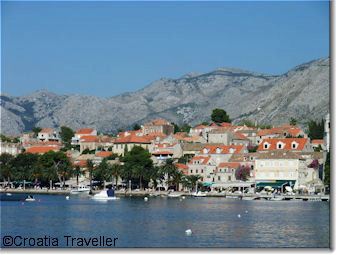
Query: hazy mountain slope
{"type": "Point", "coordinates": [302, 93]}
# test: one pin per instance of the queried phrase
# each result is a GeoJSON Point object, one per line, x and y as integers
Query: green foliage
{"type": "Point", "coordinates": [6, 139]}
{"type": "Point", "coordinates": [176, 127]}
{"type": "Point", "coordinates": [138, 165]}
{"type": "Point", "coordinates": [189, 181]}
{"type": "Point", "coordinates": [87, 151]}
{"type": "Point", "coordinates": [66, 134]}
{"type": "Point", "coordinates": [219, 116]}
{"type": "Point", "coordinates": [293, 122]}
{"type": "Point", "coordinates": [316, 129]}
{"type": "Point", "coordinates": [6, 166]}
{"type": "Point", "coordinates": [264, 126]}
{"type": "Point", "coordinates": [136, 126]}
{"type": "Point", "coordinates": [184, 159]}
{"type": "Point", "coordinates": [36, 130]}
{"type": "Point", "coordinates": [103, 171]}
{"type": "Point", "coordinates": [185, 128]}
{"type": "Point", "coordinates": [112, 156]}
{"type": "Point", "coordinates": [116, 171]}
{"type": "Point", "coordinates": [205, 123]}
{"type": "Point", "coordinates": [327, 170]}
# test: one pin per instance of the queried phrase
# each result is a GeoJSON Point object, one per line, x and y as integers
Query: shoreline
{"type": "Point", "coordinates": [165, 193]}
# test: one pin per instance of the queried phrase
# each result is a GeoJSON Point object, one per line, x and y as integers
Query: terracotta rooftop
{"type": "Point", "coordinates": [286, 141]}
{"type": "Point", "coordinates": [84, 131]}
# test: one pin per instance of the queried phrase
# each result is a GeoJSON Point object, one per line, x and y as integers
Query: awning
{"type": "Point", "coordinates": [236, 184]}
{"type": "Point", "coordinates": [207, 184]}
{"type": "Point", "coordinates": [276, 184]}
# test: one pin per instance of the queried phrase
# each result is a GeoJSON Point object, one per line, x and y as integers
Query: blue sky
{"type": "Point", "coordinates": [107, 48]}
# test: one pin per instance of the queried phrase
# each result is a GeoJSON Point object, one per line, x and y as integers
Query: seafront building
{"type": "Point", "coordinates": [219, 153]}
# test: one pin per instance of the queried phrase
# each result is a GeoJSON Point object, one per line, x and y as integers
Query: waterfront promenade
{"type": "Point", "coordinates": [165, 193]}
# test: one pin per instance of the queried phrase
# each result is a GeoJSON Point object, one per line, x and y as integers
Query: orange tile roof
{"type": "Point", "coordinates": [225, 124]}
{"type": "Point", "coordinates": [81, 163]}
{"type": "Point", "coordinates": [42, 149]}
{"type": "Point", "coordinates": [103, 154]}
{"type": "Point", "coordinates": [84, 131]}
{"type": "Point", "coordinates": [225, 149]}
{"type": "Point", "coordinates": [204, 160]}
{"type": "Point", "coordinates": [134, 139]}
{"type": "Point", "coordinates": [200, 126]}
{"type": "Point", "coordinates": [292, 130]}
{"type": "Point", "coordinates": [89, 139]}
{"type": "Point", "coordinates": [287, 141]}
{"type": "Point", "coordinates": [240, 136]}
{"type": "Point", "coordinates": [181, 166]}
{"type": "Point", "coordinates": [317, 141]}
{"type": "Point", "coordinates": [47, 130]}
{"type": "Point", "coordinates": [229, 164]}
{"type": "Point", "coordinates": [162, 153]}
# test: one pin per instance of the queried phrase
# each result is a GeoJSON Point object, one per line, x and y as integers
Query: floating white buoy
{"type": "Point", "coordinates": [246, 211]}
{"type": "Point", "coordinates": [67, 197]}
{"type": "Point", "coordinates": [146, 199]}
{"type": "Point", "coordinates": [239, 216]}
{"type": "Point", "coordinates": [188, 232]}
{"type": "Point", "coordinates": [183, 197]}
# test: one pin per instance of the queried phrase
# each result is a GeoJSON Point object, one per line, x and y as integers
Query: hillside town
{"type": "Point", "coordinates": [219, 156]}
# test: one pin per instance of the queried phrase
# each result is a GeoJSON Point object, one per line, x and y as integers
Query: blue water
{"type": "Point", "coordinates": [161, 222]}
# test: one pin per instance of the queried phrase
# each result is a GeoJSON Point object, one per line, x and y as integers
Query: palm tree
{"type": "Point", "coordinates": [77, 172]}
{"type": "Point", "coordinates": [116, 170]}
{"type": "Point", "coordinates": [177, 178]}
{"type": "Point", "coordinates": [169, 169]}
{"type": "Point", "coordinates": [90, 167]}
{"type": "Point", "coordinates": [192, 180]}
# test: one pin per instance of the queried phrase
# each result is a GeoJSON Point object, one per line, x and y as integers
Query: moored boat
{"type": "Point", "coordinates": [106, 195]}
{"type": "Point", "coordinates": [80, 190]}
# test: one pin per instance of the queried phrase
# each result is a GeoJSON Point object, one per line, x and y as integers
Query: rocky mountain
{"type": "Point", "coordinates": [302, 93]}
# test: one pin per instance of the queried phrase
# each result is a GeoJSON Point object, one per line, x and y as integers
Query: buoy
{"type": "Point", "coordinates": [188, 232]}
{"type": "Point", "coordinates": [246, 211]}
{"type": "Point", "coordinates": [146, 199]}
{"type": "Point", "coordinates": [183, 197]}
{"type": "Point", "coordinates": [239, 216]}
{"type": "Point", "coordinates": [67, 197]}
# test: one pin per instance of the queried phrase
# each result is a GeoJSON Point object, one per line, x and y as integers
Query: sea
{"type": "Point", "coordinates": [81, 222]}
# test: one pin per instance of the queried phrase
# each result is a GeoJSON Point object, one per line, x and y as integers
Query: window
{"type": "Point", "coordinates": [202, 170]}
{"type": "Point", "coordinates": [229, 178]}
{"type": "Point", "coordinates": [219, 178]}
{"type": "Point", "coordinates": [265, 145]}
{"type": "Point", "coordinates": [196, 171]}
{"type": "Point", "coordinates": [218, 150]}
{"type": "Point", "coordinates": [279, 146]}
{"type": "Point", "coordinates": [191, 171]}
{"type": "Point", "coordinates": [293, 145]}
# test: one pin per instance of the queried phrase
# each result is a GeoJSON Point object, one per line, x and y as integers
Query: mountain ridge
{"type": "Point", "coordinates": [302, 93]}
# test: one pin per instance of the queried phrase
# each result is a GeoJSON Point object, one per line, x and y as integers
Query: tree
{"type": "Point", "coordinates": [116, 171]}
{"type": "Point", "coordinates": [219, 116]}
{"type": "Point", "coordinates": [55, 165]}
{"type": "Point", "coordinates": [176, 179]}
{"type": "Point", "coordinates": [191, 180]}
{"type": "Point", "coordinates": [293, 121]}
{"type": "Point", "coordinates": [77, 172]}
{"type": "Point", "coordinates": [242, 173]}
{"type": "Point", "coordinates": [36, 130]}
{"type": "Point", "coordinates": [316, 129]}
{"type": "Point", "coordinates": [185, 128]}
{"type": "Point", "coordinates": [252, 148]}
{"type": "Point", "coordinates": [25, 164]}
{"type": "Point", "coordinates": [247, 122]}
{"type": "Point", "coordinates": [137, 162]}
{"type": "Point", "coordinates": [66, 134]}
{"type": "Point", "coordinates": [103, 172]}
{"type": "Point", "coordinates": [6, 166]}
{"type": "Point", "coordinates": [90, 167]}
{"type": "Point", "coordinates": [169, 169]}
{"type": "Point", "coordinates": [327, 170]}
{"type": "Point", "coordinates": [136, 126]}
{"type": "Point", "coordinates": [176, 127]}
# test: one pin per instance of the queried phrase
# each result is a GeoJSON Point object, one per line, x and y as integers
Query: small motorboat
{"type": "Point", "coordinates": [199, 194]}
{"type": "Point", "coordinates": [174, 194]}
{"type": "Point", "coordinates": [106, 195]}
{"type": "Point", "coordinates": [30, 198]}
{"type": "Point", "coordinates": [80, 190]}
{"type": "Point", "coordinates": [277, 198]}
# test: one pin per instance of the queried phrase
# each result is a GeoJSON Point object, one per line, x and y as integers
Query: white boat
{"type": "Point", "coordinates": [173, 194]}
{"type": "Point", "coordinates": [105, 195]}
{"type": "Point", "coordinates": [30, 199]}
{"type": "Point", "coordinates": [199, 194]}
{"type": "Point", "coordinates": [80, 190]}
